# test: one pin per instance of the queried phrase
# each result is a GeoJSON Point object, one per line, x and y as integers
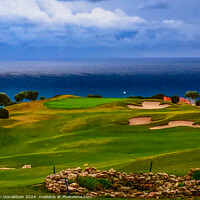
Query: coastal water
{"type": "Point", "coordinates": [107, 77]}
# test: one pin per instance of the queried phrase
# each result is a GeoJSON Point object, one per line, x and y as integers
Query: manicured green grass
{"type": "Point", "coordinates": [99, 135]}
{"type": "Point", "coordinates": [72, 103]}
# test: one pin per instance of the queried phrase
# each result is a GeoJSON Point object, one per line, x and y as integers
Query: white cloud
{"type": "Point", "coordinates": [184, 30]}
{"type": "Point", "coordinates": [54, 12]}
{"type": "Point", "coordinates": [173, 23]}
{"type": "Point", "coordinates": [61, 23]}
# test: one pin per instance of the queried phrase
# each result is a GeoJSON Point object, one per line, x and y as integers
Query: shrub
{"type": "Point", "coordinates": [4, 114]}
{"type": "Point", "coordinates": [105, 183]}
{"type": "Point", "coordinates": [181, 184]}
{"type": "Point", "coordinates": [198, 102]}
{"type": "Point", "coordinates": [196, 175]}
{"type": "Point", "coordinates": [94, 96]}
{"type": "Point", "coordinates": [42, 98]}
{"type": "Point", "coordinates": [175, 99]}
{"type": "Point", "coordinates": [93, 183]}
{"type": "Point", "coordinates": [88, 182]}
{"type": "Point", "coordinates": [11, 103]}
{"type": "Point", "coordinates": [71, 181]}
{"type": "Point", "coordinates": [158, 96]}
{"type": "Point", "coordinates": [137, 97]}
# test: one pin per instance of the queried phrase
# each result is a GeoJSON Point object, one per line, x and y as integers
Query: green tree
{"type": "Point", "coordinates": [35, 95]}
{"type": "Point", "coordinates": [20, 96]}
{"type": "Point", "coordinates": [192, 96]}
{"type": "Point", "coordinates": [175, 99]}
{"type": "Point", "coordinates": [4, 99]}
{"type": "Point", "coordinates": [32, 95]}
{"type": "Point", "coordinates": [158, 96]}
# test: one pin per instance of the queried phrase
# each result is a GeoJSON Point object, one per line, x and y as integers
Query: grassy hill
{"type": "Point", "coordinates": [68, 131]}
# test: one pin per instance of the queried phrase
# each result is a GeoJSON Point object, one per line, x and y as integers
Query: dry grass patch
{"type": "Point", "coordinates": [27, 119]}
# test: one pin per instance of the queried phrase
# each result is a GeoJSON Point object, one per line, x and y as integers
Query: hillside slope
{"type": "Point", "coordinates": [98, 134]}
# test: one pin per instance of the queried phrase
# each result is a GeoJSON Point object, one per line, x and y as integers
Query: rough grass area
{"type": "Point", "coordinates": [98, 134]}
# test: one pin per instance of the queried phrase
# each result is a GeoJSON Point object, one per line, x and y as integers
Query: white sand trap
{"type": "Point", "coordinates": [149, 105]}
{"type": "Point", "coordinates": [139, 120]}
{"type": "Point", "coordinates": [175, 124]}
{"type": "Point", "coordinates": [4, 168]}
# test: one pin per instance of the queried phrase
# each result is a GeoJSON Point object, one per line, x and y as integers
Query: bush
{"type": "Point", "coordinates": [137, 97]}
{"type": "Point", "coordinates": [196, 175]}
{"type": "Point", "coordinates": [198, 102]}
{"type": "Point", "coordinates": [4, 114]}
{"type": "Point", "coordinates": [105, 183]}
{"type": "Point", "coordinates": [71, 181]}
{"type": "Point", "coordinates": [158, 96]}
{"type": "Point", "coordinates": [42, 98]}
{"type": "Point", "coordinates": [181, 184]}
{"type": "Point", "coordinates": [11, 103]}
{"type": "Point", "coordinates": [88, 182]}
{"type": "Point", "coordinates": [175, 99]}
{"type": "Point", "coordinates": [94, 96]}
{"type": "Point", "coordinates": [93, 183]}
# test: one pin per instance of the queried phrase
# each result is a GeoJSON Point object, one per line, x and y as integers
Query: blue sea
{"type": "Point", "coordinates": [107, 77]}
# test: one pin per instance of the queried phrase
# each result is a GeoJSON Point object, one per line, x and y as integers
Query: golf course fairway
{"type": "Point", "coordinates": [68, 131]}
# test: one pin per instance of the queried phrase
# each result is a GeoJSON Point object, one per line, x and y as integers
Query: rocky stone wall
{"type": "Point", "coordinates": [140, 185]}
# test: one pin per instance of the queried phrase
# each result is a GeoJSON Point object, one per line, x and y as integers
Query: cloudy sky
{"type": "Point", "coordinates": [69, 29]}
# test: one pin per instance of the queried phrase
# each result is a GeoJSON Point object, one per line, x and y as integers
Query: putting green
{"type": "Point", "coordinates": [72, 103]}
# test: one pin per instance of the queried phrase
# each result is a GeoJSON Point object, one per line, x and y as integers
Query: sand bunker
{"type": "Point", "coordinates": [139, 120]}
{"type": "Point", "coordinates": [149, 105]}
{"type": "Point", "coordinates": [175, 124]}
{"type": "Point", "coordinates": [5, 168]}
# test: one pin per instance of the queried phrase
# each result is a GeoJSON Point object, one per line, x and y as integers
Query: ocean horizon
{"type": "Point", "coordinates": [106, 77]}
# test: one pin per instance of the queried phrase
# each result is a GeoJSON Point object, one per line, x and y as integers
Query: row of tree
{"type": "Point", "coordinates": [191, 95]}
{"type": "Point", "coordinates": [156, 96]}
{"type": "Point", "coordinates": [28, 95]}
